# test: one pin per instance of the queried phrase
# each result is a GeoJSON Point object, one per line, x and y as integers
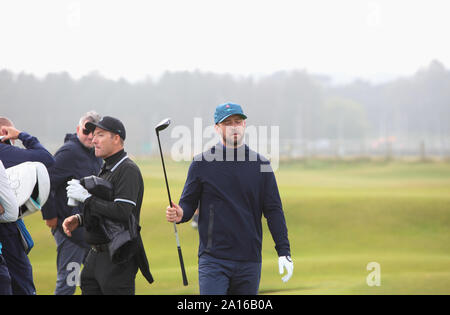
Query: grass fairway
{"type": "Point", "coordinates": [340, 217]}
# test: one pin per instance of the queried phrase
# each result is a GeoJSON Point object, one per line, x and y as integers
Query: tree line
{"type": "Point", "coordinates": [305, 106]}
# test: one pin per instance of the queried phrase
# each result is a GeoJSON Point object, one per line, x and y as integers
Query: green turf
{"type": "Point", "coordinates": [340, 217]}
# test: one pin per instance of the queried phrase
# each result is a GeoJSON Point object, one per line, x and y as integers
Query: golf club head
{"type": "Point", "coordinates": [162, 125]}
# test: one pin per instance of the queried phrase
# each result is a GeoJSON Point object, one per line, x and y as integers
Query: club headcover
{"type": "Point", "coordinates": [98, 187]}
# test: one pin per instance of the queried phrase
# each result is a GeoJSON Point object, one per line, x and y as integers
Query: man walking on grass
{"type": "Point", "coordinates": [233, 187]}
{"type": "Point", "coordinates": [110, 270]}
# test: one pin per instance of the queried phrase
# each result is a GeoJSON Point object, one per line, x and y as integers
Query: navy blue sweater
{"type": "Point", "coordinates": [34, 152]}
{"type": "Point", "coordinates": [232, 196]}
{"type": "Point", "coordinates": [12, 155]}
{"type": "Point", "coordinates": [72, 160]}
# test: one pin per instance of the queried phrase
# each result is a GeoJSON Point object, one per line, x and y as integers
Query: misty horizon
{"type": "Point", "coordinates": [410, 114]}
{"type": "Point", "coordinates": [333, 78]}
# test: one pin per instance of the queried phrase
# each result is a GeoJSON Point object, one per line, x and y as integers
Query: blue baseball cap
{"type": "Point", "coordinates": [223, 111]}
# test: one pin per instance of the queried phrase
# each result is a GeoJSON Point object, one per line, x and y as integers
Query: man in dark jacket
{"type": "Point", "coordinates": [233, 187]}
{"type": "Point", "coordinates": [74, 160]}
{"type": "Point", "coordinates": [101, 274]}
{"type": "Point", "coordinates": [13, 251]}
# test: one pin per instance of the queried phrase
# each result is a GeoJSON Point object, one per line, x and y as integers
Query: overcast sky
{"type": "Point", "coordinates": [134, 39]}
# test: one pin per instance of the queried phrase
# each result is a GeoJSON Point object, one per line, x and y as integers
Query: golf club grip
{"type": "Point", "coordinates": [183, 271]}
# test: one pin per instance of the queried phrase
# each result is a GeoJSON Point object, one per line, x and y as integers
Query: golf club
{"type": "Point", "coordinates": [159, 127]}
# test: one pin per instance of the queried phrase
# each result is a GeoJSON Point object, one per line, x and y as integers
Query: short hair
{"type": "Point", "coordinates": [91, 116]}
{"type": "Point", "coordinates": [5, 122]}
{"type": "Point", "coordinates": [122, 142]}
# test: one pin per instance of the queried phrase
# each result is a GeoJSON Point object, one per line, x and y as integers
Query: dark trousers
{"type": "Point", "coordinates": [5, 279]}
{"type": "Point", "coordinates": [19, 266]}
{"type": "Point", "coordinates": [101, 277]}
{"type": "Point", "coordinates": [221, 276]}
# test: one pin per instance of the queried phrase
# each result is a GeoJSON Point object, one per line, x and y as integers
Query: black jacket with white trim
{"type": "Point", "coordinates": [128, 184]}
{"type": "Point", "coordinates": [105, 219]}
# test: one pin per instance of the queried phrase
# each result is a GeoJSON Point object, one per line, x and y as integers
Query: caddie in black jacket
{"type": "Point", "coordinates": [102, 275]}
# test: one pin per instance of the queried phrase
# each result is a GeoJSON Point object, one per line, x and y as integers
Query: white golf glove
{"type": "Point", "coordinates": [286, 262]}
{"type": "Point", "coordinates": [76, 191]}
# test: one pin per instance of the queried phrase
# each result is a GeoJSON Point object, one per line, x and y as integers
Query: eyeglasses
{"type": "Point", "coordinates": [86, 131]}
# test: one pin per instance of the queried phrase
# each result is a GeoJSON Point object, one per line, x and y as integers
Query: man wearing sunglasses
{"type": "Point", "coordinates": [74, 160]}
